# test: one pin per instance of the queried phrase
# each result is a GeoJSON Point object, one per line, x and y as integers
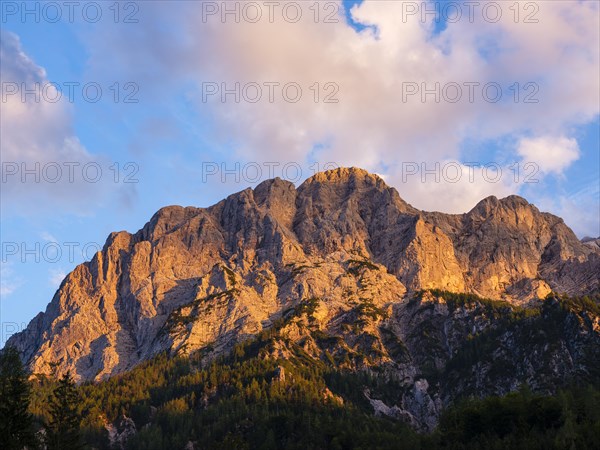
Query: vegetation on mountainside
{"type": "Point", "coordinates": [253, 399]}
{"type": "Point", "coordinates": [16, 422]}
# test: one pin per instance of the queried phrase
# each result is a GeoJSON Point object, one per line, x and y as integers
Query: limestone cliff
{"type": "Point", "coordinates": [205, 278]}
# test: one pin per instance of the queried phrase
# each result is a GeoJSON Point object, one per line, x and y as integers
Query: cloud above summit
{"type": "Point", "coordinates": [379, 78]}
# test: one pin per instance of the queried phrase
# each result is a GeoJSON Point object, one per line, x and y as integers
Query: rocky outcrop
{"type": "Point", "coordinates": [591, 242]}
{"type": "Point", "coordinates": [195, 278]}
{"type": "Point", "coordinates": [120, 432]}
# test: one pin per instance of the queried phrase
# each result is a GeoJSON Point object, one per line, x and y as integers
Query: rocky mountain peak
{"type": "Point", "coordinates": [166, 220]}
{"type": "Point", "coordinates": [196, 278]}
{"type": "Point", "coordinates": [346, 175]}
{"type": "Point", "coordinates": [593, 243]}
{"type": "Point", "coordinates": [512, 204]}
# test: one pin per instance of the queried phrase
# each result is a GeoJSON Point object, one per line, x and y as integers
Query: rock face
{"type": "Point", "coordinates": [591, 242]}
{"type": "Point", "coordinates": [195, 278]}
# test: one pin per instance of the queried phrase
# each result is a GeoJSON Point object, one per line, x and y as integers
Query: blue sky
{"type": "Point", "coordinates": [370, 51]}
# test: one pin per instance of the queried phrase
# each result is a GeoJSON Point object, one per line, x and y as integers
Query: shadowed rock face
{"type": "Point", "coordinates": [195, 277]}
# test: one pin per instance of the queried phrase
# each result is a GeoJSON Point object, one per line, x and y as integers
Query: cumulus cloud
{"type": "Point", "coordinates": [551, 154]}
{"type": "Point", "coordinates": [581, 208]}
{"type": "Point", "coordinates": [44, 165]}
{"type": "Point", "coordinates": [46, 236]}
{"type": "Point", "coordinates": [56, 277]}
{"type": "Point", "coordinates": [9, 282]}
{"type": "Point", "coordinates": [451, 186]}
{"type": "Point", "coordinates": [35, 128]}
{"type": "Point", "coordinates": [379, 121]}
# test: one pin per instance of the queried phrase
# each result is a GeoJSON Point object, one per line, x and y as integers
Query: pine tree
{"type": "Point", "coordinates": [16, 423]}
{"type": "Point", "coordinates": [270, 442]}
{"type": "Point", "coordinates": [63, 428]}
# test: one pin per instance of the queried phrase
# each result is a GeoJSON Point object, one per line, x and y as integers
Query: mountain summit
{"type": "Point", "coordinates": [205, 278]}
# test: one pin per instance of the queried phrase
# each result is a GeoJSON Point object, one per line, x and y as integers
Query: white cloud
{"type": "Point", "coordinates": [580, 210]}
{"type": "Point", "coordinates": [42, 158]}
{"type": "Point", "coordinates": [373, 125]}
{"type": "Point", "coordinates": [451, 186]}
{"type": "Point", "coordinates": [56, 277]}
{"type": "Point", "coordinates": [48, 237]}
{"type": "Point", "coordinates": [9, 283]}
{"type": "Point", "coordinates": [551, 154]}
{"type": "Point", "coordinates": [35, 129]}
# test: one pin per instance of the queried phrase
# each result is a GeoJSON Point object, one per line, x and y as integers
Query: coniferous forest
{"type": "Point", "coordinates": [246, 400]}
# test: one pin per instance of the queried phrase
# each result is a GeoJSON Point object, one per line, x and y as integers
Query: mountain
{"type": "Point", "coordinates": [591, 242]}
{"type": "Point", "coordinates": [342, 267]}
